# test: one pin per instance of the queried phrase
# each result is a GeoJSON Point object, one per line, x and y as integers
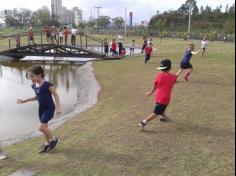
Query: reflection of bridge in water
{"type": "Point", "coordinates": [18, 46]}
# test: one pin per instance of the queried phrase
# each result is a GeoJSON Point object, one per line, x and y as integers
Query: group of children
{"type": "Point", "coordinates": [165, 82]}
{"type": "Point", "coordinates": [58, 36]}
{"type": "Point", "coordinates": [53, 35]}
{"type": "Point", "coordinates": [112, 48]}
{"type": "Point", "coordinates": [163, 85]}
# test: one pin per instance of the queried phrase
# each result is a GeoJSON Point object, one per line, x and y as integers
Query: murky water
{"type": "Point", "coordinates": [20, 120]}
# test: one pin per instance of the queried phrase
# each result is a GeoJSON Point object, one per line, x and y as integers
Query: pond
{"type": "Point", "coordinates": [19, 120]}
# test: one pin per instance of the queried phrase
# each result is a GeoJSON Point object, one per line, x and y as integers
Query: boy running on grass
{"type": "Point", "coordinates": [148, 52]}
{"type": "Point", "coordinates": [163, 86]}
{"type": "Point", "coordinates": [185, 62]}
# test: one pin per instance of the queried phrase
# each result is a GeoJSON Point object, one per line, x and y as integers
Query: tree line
{"type": "Point", "coordinates": [204, 19]}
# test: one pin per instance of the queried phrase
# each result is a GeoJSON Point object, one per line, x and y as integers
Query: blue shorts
{"type": "Point", "coordinates": [46, 115]}
{"type": "Point", "coordinates": [185, 65]}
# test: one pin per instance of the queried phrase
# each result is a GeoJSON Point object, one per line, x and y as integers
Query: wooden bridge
{"type": "Point", "coordinates": [19, 46]}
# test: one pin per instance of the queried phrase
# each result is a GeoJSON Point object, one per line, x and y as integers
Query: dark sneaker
{"type": "Point", "coordinates": [43, 149]}
{"type": "Point", "coordinates": [163, 118]}
{"type": "Point", "coordinates": [53, 144]}
{"type": "Point", "coordinates": [142, 125]}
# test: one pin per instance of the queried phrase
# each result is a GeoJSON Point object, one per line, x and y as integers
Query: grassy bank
{"type": "Point", "coordinates": [105, 140]}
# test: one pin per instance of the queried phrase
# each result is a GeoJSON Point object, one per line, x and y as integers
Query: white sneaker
{"type": "Point", "coordinates": [141, 125]}
{"type": "Point", "coordinates": [2, 156]}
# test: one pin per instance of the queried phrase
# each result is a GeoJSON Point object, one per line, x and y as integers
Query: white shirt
{"type": "Point", "coordinates": [132, 45]}
{"type": "Point", "coordinates": [204, 44]}
{"type": "Point", "coordinates": [120, 38]}
{"type": "Point", "coordinates": [73, 31]}
{"type": "Point", "coordinates": [61, 34]}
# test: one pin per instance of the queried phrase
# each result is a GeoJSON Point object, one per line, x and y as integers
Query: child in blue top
{"type": "Point", "coordinates": [44, 91]}
{"type": "Point", "coordinates": [185, 62]}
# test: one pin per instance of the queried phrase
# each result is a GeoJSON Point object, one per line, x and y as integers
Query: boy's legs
{"type": "Point", "coordinates": [203, 51]}
{"type": "Point", "coordinates": [159, 110]}
{"type": "Point", "coordinates": [187, 74]}
{"type": "Point", "coordinates": [151, 117]}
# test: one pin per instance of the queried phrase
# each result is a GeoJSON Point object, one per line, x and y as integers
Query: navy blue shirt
{"type": "Point", "coordinates": [187, 57]}
{"type": "Point", "coordinates": [44, 96]}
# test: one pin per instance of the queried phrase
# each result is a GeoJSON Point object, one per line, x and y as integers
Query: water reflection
{"type": "Point", "coordinates": [20, 120]}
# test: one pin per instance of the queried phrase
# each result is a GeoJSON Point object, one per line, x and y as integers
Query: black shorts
{"type": "Point", "coordinates": [185, 65]}
{"type": "Point", "coordinates": [159, 109]}
{"type": "Point", "coordinates": [48, 35]}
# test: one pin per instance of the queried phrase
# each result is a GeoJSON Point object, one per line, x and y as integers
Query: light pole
{"type": "Point", "coordinates": [125, 21]}
{"type": "Point", "coordinates": [190, 6]}
{"type": "Point", "coordinates": [98, 8]}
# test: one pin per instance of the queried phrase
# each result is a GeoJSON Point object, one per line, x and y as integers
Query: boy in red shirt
{"type": "Point", "coordinates": [163, 86]}
{"type": "Point", "coordinates": [66, 33]}
{"type": "Point", "coordinates": [148, 52]}
{"type": "Point", "coordinates": [113, 48]}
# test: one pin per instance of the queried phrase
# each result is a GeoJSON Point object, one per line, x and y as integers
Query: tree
{"type": "Point", "coordinates": [104, 21]}
{"type": "Point", "coordinates": [184, 9]}
{"type": "Point", "coordinates": [91, 23]}
{"type": "Point", "coordinates": [118, 21]}
{"type": "Point", "coordinates": [43, 16]}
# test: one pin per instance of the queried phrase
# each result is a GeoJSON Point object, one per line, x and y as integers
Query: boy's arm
{"type": "Point", "coordinates": [19, 101]}
{"type": "Point", "coordinates": [148, 94]}
{"type": "Point", "coordinates": [57, 99]}
{"type": "Point", "coordinates": [195, 52]}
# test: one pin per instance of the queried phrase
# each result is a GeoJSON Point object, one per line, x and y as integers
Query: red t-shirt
{"type": "Point", "coordinates": [66, 33]}
{"type": "Point", "coordinates": [148, 50]}
{"type": "Point", "coordinates": [164, 83]}
{"type": "Point", "coordinates": [113, 46]}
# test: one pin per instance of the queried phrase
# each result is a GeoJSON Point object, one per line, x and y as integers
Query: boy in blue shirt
{"type": "Point", "coordinates": [185, 62]}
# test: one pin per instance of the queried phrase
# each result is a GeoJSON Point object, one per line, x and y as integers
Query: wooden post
{"type": "Point", "coordinates": [9, 43]}
{"type": "Point", "coordinates": [102, 47]}
{"type": "Point", "coordinates": [81, 46]}
{"type": "Point", "coordinates": [86, 42]}
{"type": "Point", "coordinates": [41, 39]}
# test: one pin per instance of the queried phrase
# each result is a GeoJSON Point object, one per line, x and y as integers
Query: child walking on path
{"type": "Point", "coordinates": [44, 91]}
{"type": "Point", "coordinates": [148, 52]}
{"type": "Point", "coordinates": [163, 86]}
{"type": "Point", "coordinates": [2, 155]}
{"type": "Point", "coordinates": [106, 47]}
{"type": "Point", "coordinates": [132, 47]}
{"type": "Point", "coordinates": [185, 62]}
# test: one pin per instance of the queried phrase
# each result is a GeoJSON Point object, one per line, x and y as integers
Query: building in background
{"type": "Point", "coordinates": [77, 15]}
{"type": "Point", "coordinates": [66, 16]}
{"type": "Point", "coordinates": [56, 9]}
{"type": "Point", "coordinates": [130, 19]}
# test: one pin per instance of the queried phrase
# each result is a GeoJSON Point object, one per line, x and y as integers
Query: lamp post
{"type": "Point", "coordinates": [98, 9]}
{"type": "Point", "coordinates": [190, 6]}
{"type": "Point", "coordinates": [125, 21]}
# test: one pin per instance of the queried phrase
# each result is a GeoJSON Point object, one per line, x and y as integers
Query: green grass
{"type": "Point", "coordinates": [105, 140]}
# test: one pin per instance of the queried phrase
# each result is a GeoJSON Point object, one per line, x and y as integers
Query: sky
{"type": "Point", "coordinates": [142, 9]}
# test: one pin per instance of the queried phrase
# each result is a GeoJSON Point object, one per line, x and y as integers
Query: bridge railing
{"type": "Point", "coordinates": [22, 39]}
